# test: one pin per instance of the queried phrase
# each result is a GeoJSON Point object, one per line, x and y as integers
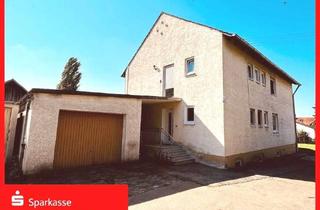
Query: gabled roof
{"type": "Point", "coordinates": [13, 81]}
{"type": "Point", "coordinates": [239, 41]}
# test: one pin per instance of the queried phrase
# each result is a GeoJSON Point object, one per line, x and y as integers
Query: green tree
{"type": "Point", "coordinates": [70, 76]}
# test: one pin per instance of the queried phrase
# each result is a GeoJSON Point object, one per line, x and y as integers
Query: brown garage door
{"type": "Point", "coordinates": [85, 138]}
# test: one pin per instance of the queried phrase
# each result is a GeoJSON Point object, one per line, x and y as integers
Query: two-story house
{"type": "Point", "coordinates": [192, 92]}
{"type": "Point", "coordinates": [236, 106]}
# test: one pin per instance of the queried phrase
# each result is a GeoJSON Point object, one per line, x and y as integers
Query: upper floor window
{"type": "Point", "coordinates": [263, 78]}
{"type": "Point", "coordinates": [272, 86]}
{"type": "Point", "coordinates": [189, 115]}
{"type": "Point", "coordinates": [250, 72]}
{"type": "Point", "coordinates": [190, 66]}
{"type": "Point", "coordinates": [257, 73]}
{"type": "Point", "coordinates": [252, 117]}
{"type": "Point", "coordinates": [275, 123]}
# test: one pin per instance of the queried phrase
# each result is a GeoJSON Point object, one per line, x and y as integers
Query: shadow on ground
{"type": "Point", "coordinates": [150, 180]}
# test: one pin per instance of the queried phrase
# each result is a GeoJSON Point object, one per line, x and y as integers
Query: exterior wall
{"type": "Point", "coordinates": [241, 94]}
{"type": "Point", "coordinates": [12, 129]}
{"type": "Point", "coordinates": [41, 134]}
{"type": "Point", "coordinates": [171, 41]}
{"type": "Point", "coordinates": [259, 155]}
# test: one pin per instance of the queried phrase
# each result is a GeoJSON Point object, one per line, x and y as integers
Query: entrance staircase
{"type": "Point", "coordinates": [175, 155]}
{"type": "Point", "coordinates": [165, 148]}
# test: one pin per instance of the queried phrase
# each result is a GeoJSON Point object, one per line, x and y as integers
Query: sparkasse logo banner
{"type": "Point", "coordinates": [18, 200]}
{"type": "Point", "coordinates": [73, 197]}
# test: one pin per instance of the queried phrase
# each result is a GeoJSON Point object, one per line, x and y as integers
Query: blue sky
{"type": "Point", "coordinates": [103, 35]}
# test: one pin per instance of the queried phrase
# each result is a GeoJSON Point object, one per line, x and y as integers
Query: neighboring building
{"type": "Point", "coordinates": [308, 121]}
{"type": "Point", "coordinates": [13, 93]}
{"type": "Point", "coordinates": [309, 130]}
{"type": "Point", "coordinates": [306, 124]}
{"type": "Point", "coordinates": [205, 90]}
{"type": "Point", "coordinates": [236, 104]}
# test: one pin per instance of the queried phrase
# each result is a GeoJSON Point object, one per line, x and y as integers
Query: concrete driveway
{"type": "Point", "coordinates": [283, 183]}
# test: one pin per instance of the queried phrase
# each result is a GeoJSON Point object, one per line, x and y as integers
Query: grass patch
{"type": "Point", "coordinates": [307, 146]}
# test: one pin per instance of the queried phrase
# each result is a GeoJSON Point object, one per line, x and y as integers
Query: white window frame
{"type": "Point", "coordinates": [254, 117]}
{"type": "Point", "coordinates": [275, 86]}
{"type": "Point", "coordinates": [186, 121]}
{"type": "Point", "coordinates": [266, 119]}
{"type": "Point", "coordinates": [263, 81]}
{"type": "Point", "coordinates": [277, 123]}
{"type": "Point", "coordinates": [257, 75]}
{"type": "Point", "coordinates": [251, 71]}
{"type": "Point", "coordinates": [186, 67]}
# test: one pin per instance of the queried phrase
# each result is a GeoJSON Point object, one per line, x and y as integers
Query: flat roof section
{"type": "Point", "coordinates": [145, 98]}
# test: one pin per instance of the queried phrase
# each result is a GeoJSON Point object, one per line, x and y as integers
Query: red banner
{"type": "Point", "coordinates": [77, 197]}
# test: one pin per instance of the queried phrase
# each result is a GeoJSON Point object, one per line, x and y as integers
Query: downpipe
{"type": "Point", "coordinates": [294, 115]}
{"type": "Point", "coordinates": [23, 144]}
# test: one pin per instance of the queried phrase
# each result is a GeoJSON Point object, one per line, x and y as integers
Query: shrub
{"type": "Point", "coordinates": [303, 137]}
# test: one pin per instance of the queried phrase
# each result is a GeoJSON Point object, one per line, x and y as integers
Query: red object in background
{"type": "Point", "coordinates": [2, 144]}
{"type": "Point", "coordinates": [77, 197]}
{"type": "Point", "coordinates": [82, 197]}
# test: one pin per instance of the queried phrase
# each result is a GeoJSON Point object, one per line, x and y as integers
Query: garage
{"type": "Point", "coordinates": [87, 138]}
{"type": "Point", "coordinates": [68, 129]}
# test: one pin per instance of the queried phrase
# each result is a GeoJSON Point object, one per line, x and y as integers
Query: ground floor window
{"type": "Point", "coordinates": [189, 115]}
{"type": "Point", "coordinates": [260, 118]}
{"type": "Point", "coordinates": [266, 120]}
{"type": "Point", "coordinates": [275, 123]}
{"type": "Point", "coordinates": [252, 117]}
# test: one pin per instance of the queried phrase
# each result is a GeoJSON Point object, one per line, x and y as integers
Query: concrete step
{"type": "Point", "coordinates": [177, 153]}
{"type": "Point", "coordinates": [183, 162]}
{"type": "Point", "coordinates": [172, 149]}
{"type": "Point", "coordinates": [178, 159]}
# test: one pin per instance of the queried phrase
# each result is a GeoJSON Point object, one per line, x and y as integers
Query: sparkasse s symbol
{"type": "Point", "coordinates": [17, 199]}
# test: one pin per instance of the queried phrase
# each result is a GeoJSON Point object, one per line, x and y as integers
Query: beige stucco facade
{"type": "Point", "coordinates": [219, 90]}
{"type": "Point", "coordinates": [241, 94]}
{"type": "Point", "coordinates": [43, 121]}
{"type": "Point", "coordinates": [169, 43]}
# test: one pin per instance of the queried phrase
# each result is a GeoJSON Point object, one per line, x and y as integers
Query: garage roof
{"type": "Point", "coordinates": [86, 93]}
